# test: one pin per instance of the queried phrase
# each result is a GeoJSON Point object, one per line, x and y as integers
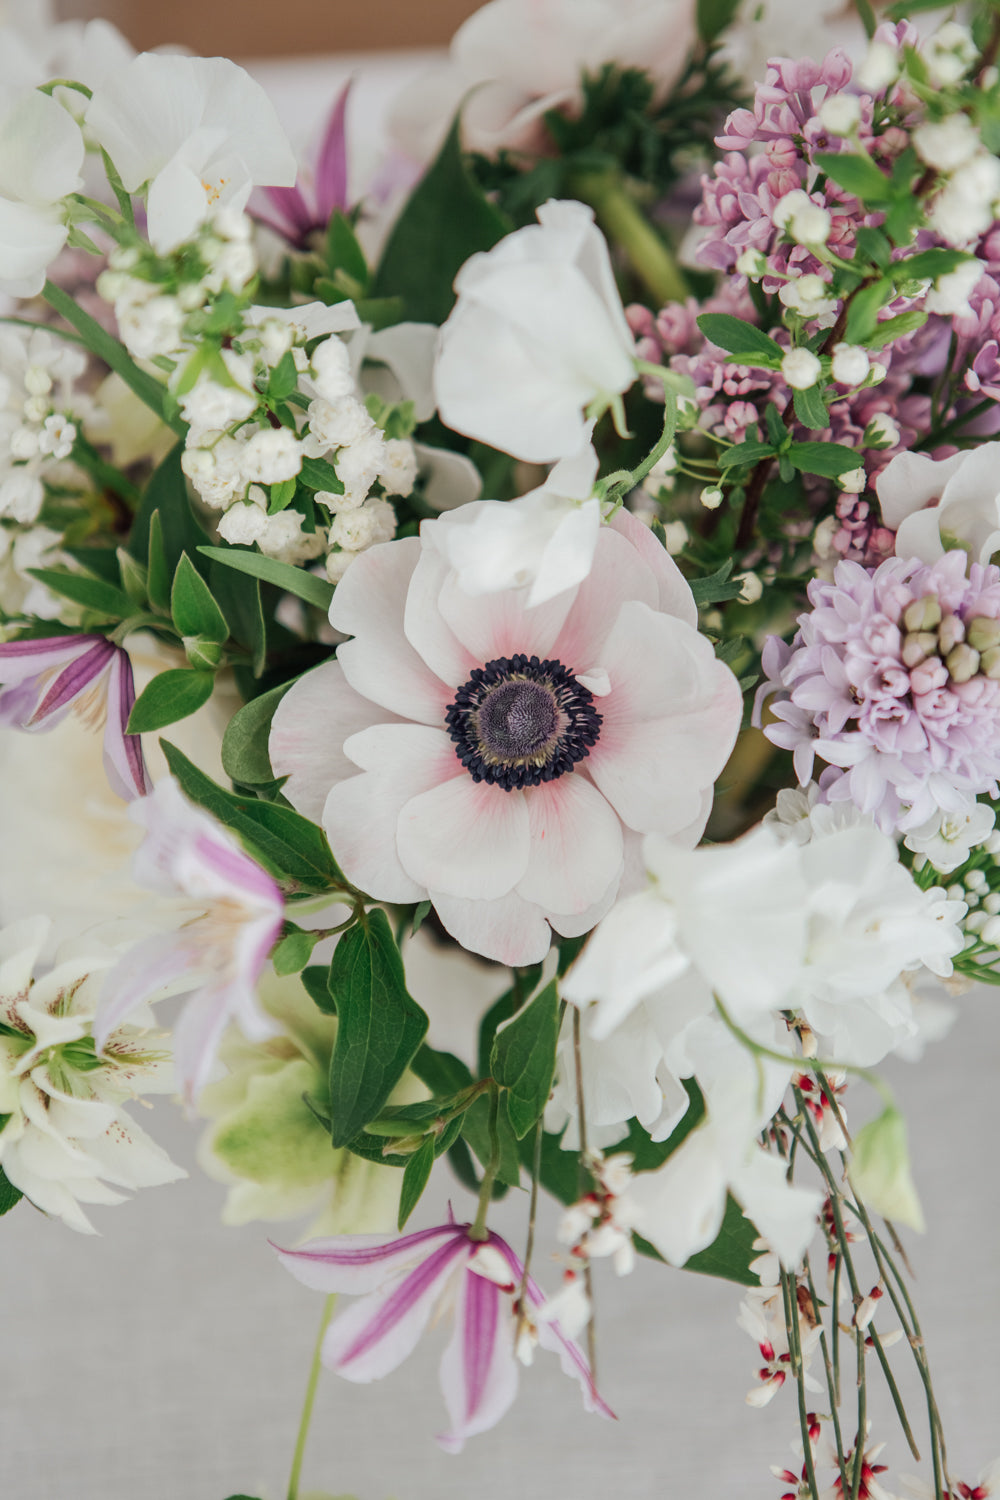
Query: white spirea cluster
{"type": "Point", "coordinates": [40, 412]}
{"type": "Point", "coordinates": [67, 1141]}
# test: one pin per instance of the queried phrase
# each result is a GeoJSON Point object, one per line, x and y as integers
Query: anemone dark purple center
{"type": "Point", "coordinates": [519, 721]}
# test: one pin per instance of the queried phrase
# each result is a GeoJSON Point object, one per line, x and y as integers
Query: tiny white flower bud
{"type": "Point", "coordinates": [882, 431]}
{"type": "Point", "coordinates": [801, 369]}
{"type": "Point", "coordinates": [850, 364]}
{"type": "Point", "coordinates": [711, 497]}
{"type": "Point", "coordinates": [946, 144]}
{"type": "Point", "coordinates": [840, 113]}
{"type": "Point", "coordinates": [677, 535]}
{"type": "Point", "coordinates": [751, 264]}
{"type": "Point", "coordinates": [878, 372]}
{"type": "Point", "coordinates": [949, 53]}
{"type": "Point", "coordinates": [950, 293]}
{"type": "Point", "coordinates": [807, 295]}
{"type": "Point", "coordinates": [811, 224]}
{"type": "Point", "coordinates": [879, 69]}
{"type": "Point", "coordinates": [37, 380]}
{"type": "Point", "coordinates": [823, 537]}
{"type": "Point", "coordinates": [853, 482]}
{"type": "Point", "coordinates": [991, 931]}
{"type": "Point", "coordinates": [751, 587]}
{"type": "Point", "coordinates": [788, 205]}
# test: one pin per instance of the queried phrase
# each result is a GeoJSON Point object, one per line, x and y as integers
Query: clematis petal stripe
{"type": "Point", "coordinates": [331, 168]}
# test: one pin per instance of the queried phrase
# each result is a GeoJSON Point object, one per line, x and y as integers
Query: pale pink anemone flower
{"type": "Point", "coordinates": [505, 761]}
{"type": "Point", "coordinates": [405, 1282]}
{"type": "Point", "coordinates": [45, 679]}
{"type": "Point", "coordinates": [231, 915]}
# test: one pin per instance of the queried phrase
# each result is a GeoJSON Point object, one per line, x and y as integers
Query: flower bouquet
{"type": "Point", "coordinates": [568, 554]}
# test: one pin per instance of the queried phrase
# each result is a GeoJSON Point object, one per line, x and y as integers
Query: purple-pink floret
{"type": "Point", "coordinates": [894, 680]}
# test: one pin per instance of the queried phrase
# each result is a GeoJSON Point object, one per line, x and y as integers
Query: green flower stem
{"type": "Point", "coordinates": [307, 1405]}
{"type": "Point", "coordinates": [803, 1063]}
{"type": "Point", "coordinates": [479, 1230]}
{"type": "Point", "coordinates": [832, 1383]}
{"type": "Point", "coordinates": [583, 1174]}
{"type": "Point", "coordinates": [626, 225]}
{"type": "Point", "coordinates": [789, 1295]}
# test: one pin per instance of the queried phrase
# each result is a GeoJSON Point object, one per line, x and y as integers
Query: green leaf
{"type": "Point", "coordinates": [447, 218]}
{"type": "Point", "coordinates": [319, 474]}
{"type": "Point", "coordinates": [116, 356]}
{"type": "Point", "coordinates": [283, 575]}
{"type": "Point", "coordinates": [170, 696]}
{"type": "Point", "coordinates": [776, 429]}
{"type": "Point", "coordinates": [134, 577]}
{"type": "Point", "coordinates": [343, 252]}
{"type": "Point", "coordinates": [896, 328]}
{"type": "Point", "coordinates": [475, 1130]}
{"type": "Point", "coordinates": [871, 244]}
{"type": "Point", "coordinates": [284, 378]}
{"type": "Point", "coordinates": [863, 310]}
{"type": "Point", "coordinates": [828, 459]}
{"type": "Point", "coordinates": [929, 264]}
{"type": "Point", "coordinates": [315, 982]}
{"type": "Point", "coordinates": [867, 17]}
{"type": "Point", "coordinates": [281, 839]}
{"type": "Point", "coordinates": [716, 586]}
{"type": "Point", "coordinates": [420, 912]}
{"type": "Point", "coordinates": [415, 1175]}
{"type": "Point", "coordinates": [282, 496]}
{"type": "Point", "coordinates": [524, 1058]}
{"type": "Point", "coordinates": [244, 745]}
{"type": "Point", "coordinates": [167, 493]}
{"type": "Point", "coordinates": [855, 174]}
{"type": "Point", "coordinates": [737, 337]}
{"type": "Point", "coordinates": [379, 1025]}
{"type": "Point", "coordinates": [10, 1196]}
{"type": "Point", "coordinates": [192, 607]}
{"type": "Point", "coordinates": [730, 1253]}
{"type": "Point", "coordinates": [158, 579]}
{"type": "Point", "coordinates": [745, 453]}
{"type": "Point", "coordinates": [294, 952]}
{"type": "Point", "coordinates": [442, 1072]}
{"type": "Point", "coordinates": [714, 16]}
{"type": "Point", "coordinates": [810, 408]}
{"type": "Point", "coordinates": [92, 593]}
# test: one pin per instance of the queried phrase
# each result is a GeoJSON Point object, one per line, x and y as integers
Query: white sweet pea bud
{"type": "Point", "coordinates": [272, 455]}
{"type": "Point", "coordinates": [946, 144]}
{"type": "Point", "coordinates": [800, 369]}
{"type": "Point", "coordinates": [949, 53]}
{"type": "Point", "coordinates": [840, 114]}
{"type": "Point", "coordinates": [880, 68]}
{"type": "Point", "coordinates": [853, 482]}
{"type": "Point", "coordinates": [882, 432]}
{"type": "Point", "coordinates": [399, 473]}
{"type": "Point", "coordinates": [850, 364]}
{"type": "Point", "coordinates": [711, 497]}
{"type": "Point", "coordinates": [677, 537]}
{"type": "Point", "coordinates": [751, 588]}
{"type": "Point", "coordinates": [242, 524]}
{"type": "Point", "coordinates": [950, 293]}
{"type": "Point", "coordinates": [751, 264]}
{"type": "Point", "coordinates": [807, 295]}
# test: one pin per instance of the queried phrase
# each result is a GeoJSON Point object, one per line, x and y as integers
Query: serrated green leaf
{"type": "Point", "coordinates": [896, 328]}
{"type": "Point", "coordinates": [380, 1026]}
{"type": "Point", "coordinates": [828, 459]}
{"type": "Point", "coordinates": [447, 218]}
{"type": "Point", "coordinates": [319, 474]}
{"type": "Point", "coordinates": [738, 337]}
{"type": "Point", "coordinates": [810, 408]}
{"type": "Point", "coordinates": [715, 586]}
{"type": "Point", "coordinates": [744, 453]}
{"type": "Point", "coordinates": [168, 697]}
{"type": "Point", "coordinates": [856, 174]}
{"type": "Point", "coordinates": [193, 609]}
{"type": "Point", "coordinates": [284, 576]}
{"type": "Point", "coordinates": [93, 593]}
{"type": "Point", "coordinates": [524, 1058]}
{"type": "Point", "coordinates": [244, 745]}
{"type": "Point", "coordinates": [415, 1177]}
{"type": "Point", "coordinates": [294, 952]}
{"type": "Point", "coordinates": [282, 839]}
{"type": "Point", "coordinates": [863, 310]}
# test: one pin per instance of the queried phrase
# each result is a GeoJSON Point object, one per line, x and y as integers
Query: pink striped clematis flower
{"type": "Point", "coordinates": [298, 214]}
{"type": "Point", "coordinates": [231, 913]}
{"type": "Point", "coordinates": [404, 1282]}
{"type": "Point", "coordinates": [43, 680]}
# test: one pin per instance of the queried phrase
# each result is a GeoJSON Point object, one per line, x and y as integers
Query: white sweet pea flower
{"type": "Point", "coordinates": [41, 156]}
{"type": "Point", "coordinates": [199, 130]}
{"type": "Point", "coordinates": [935, 504]}
{"type": "Point", "coordinates": [543, 541]}
{"type": "Point", "coordinates": [544, 303]}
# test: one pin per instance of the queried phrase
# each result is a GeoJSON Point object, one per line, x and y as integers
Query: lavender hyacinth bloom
{"type": "Point", "coordinates": [894, 679]}
{"type": "Point", "coordinates": [404, 1282]}
{"type": "Point", "coordinates": [43, 680]}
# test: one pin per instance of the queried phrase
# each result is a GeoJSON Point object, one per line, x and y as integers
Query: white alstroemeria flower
{"type": "Point", "coordinates": [513, 60]}
{"type": "Point", "coordinates": [545, 539]}
{"type": "Point", "coordinates": [41, 156]}
{"type": "Point", "coordinates": [935, 504]}
{"type": "Point", "coordinates": [67, 1140]}
{"type": "Point", "coordinates": [544, 303]}
{"type": "Point", "coordinates": [199, 130]}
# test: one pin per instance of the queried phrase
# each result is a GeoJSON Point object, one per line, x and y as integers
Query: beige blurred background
{"type": "Point", "coordinates": [278, 28]}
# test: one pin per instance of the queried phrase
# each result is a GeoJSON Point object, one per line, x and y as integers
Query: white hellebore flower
{"type": "Point", "coordinates": [501, 759]}
{"type": "Point", "coordinates": [67, 1140]}
{"type": "Point", "coordinates": [936, 504]}
{"type": "Point", "coordinates": [199, 130]}
{"type": "Point", "coordinates": [537, 335]}
{"type": "Point", "coordinates": [545, 539]}
{"type": "Point", "coordinates": [41, 155]}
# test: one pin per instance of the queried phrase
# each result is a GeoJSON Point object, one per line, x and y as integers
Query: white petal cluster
{"type": "Point", "coordinates": [40, 411]}
{"type": "Point", "coordinates": [68, 1141]}
{"type": "Point", "coordinates": [41, 157]}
